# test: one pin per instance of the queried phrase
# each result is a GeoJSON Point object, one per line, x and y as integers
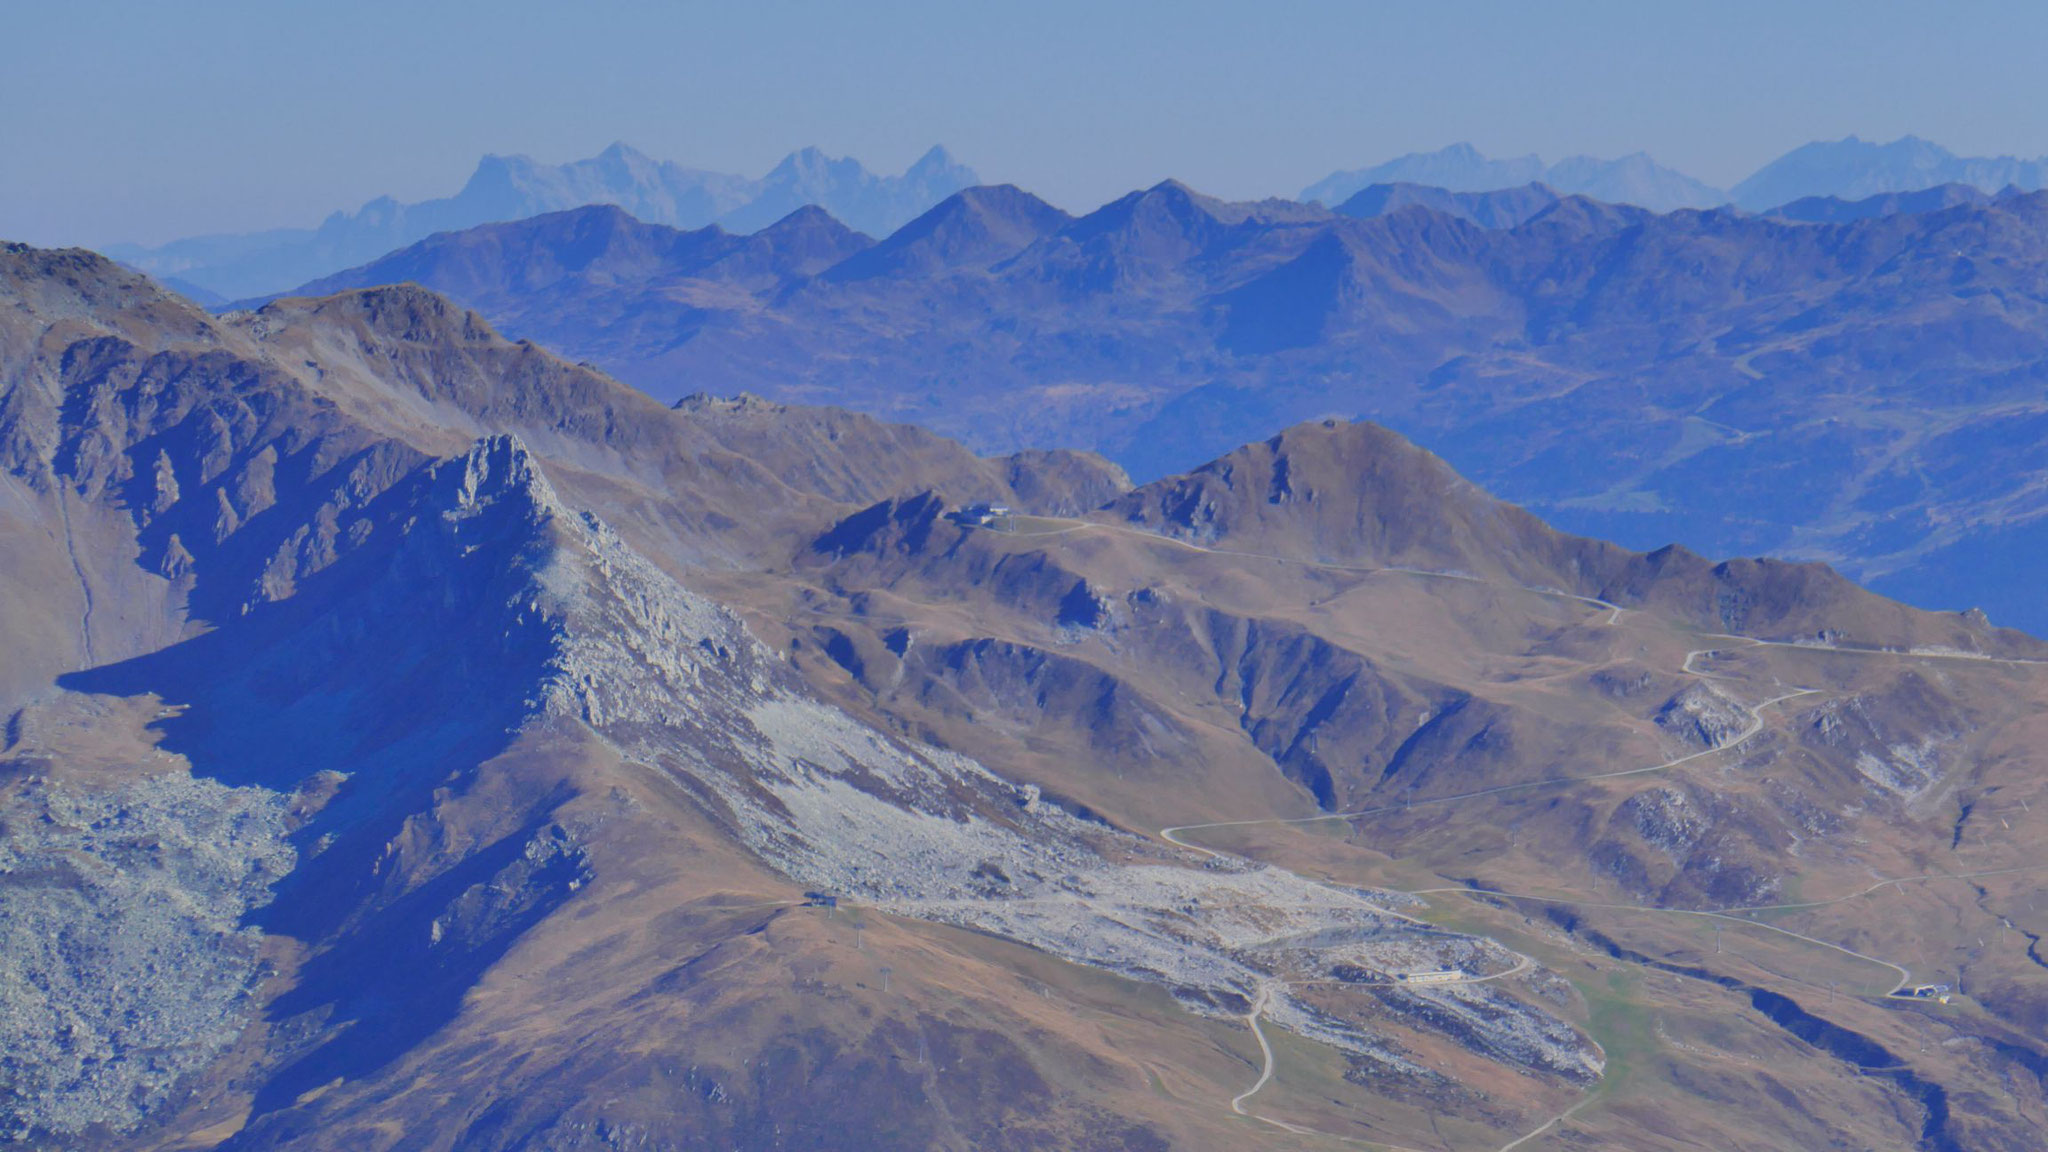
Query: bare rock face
{"type": "Point", "coordinates": [1899, 750]}
{"type": "Point", "coordinates": [676, 681]}
{"type": "Point", "coordinates": [1702, 717]}
{"type": "Point", "coordinates": [124, 962]}
{"type": "Point", "coordinates": [1667, 819]}
{"type": "Point", "coordinates": [1085, 607]}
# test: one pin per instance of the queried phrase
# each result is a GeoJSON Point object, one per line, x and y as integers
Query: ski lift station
{"type": "Point", "coordinates": [984, 513]}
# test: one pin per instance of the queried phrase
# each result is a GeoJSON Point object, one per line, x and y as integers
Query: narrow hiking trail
{"type": "Point", "coordinates": [1256, 1017]}
{"type": "Point", "coordinates": [1251, 1020]}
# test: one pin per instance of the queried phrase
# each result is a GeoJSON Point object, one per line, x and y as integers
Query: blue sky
{"type": "Point", "coordinates": [145, 121]}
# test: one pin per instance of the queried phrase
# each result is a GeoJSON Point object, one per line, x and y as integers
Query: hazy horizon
{"type": "Point", "coordinates": [151, 123]}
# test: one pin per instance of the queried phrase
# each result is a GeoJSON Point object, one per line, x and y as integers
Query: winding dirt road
{"type": "Point", "coordinates": [1754, 727]}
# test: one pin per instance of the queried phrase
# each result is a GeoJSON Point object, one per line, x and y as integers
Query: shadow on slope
{"type": "Point", "coordinates": [377, 689]}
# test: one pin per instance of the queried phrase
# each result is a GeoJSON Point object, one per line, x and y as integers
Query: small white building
{"type": "Point", "coordinates": [1430, 976]}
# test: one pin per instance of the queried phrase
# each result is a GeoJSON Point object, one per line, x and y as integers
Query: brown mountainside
{"type": "Point", "coordinates": [431, 743]}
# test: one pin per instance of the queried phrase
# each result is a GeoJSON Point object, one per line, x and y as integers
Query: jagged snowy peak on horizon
{"type": "Point", "coordinates": [238, 266]}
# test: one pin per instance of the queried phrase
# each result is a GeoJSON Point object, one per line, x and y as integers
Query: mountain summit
{"type": "Point", "coordinates": [975, 227]}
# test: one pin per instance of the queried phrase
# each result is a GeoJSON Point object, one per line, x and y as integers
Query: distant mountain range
{"type": "Point", "coordinates": [1847, 169]}
{"type": "Point", "coordinates": [1836, 210]}
{"type": "Point", "coordinates": [1853, 169]}
{"type": "Point", "coordinates": [219, 268]}
{"type": "Point", "coordinates": [1738, 383]}
{"type": "Point", "coordinates": [213, 269]}
{"type": "Point", "coordinates": [1635, 179]}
